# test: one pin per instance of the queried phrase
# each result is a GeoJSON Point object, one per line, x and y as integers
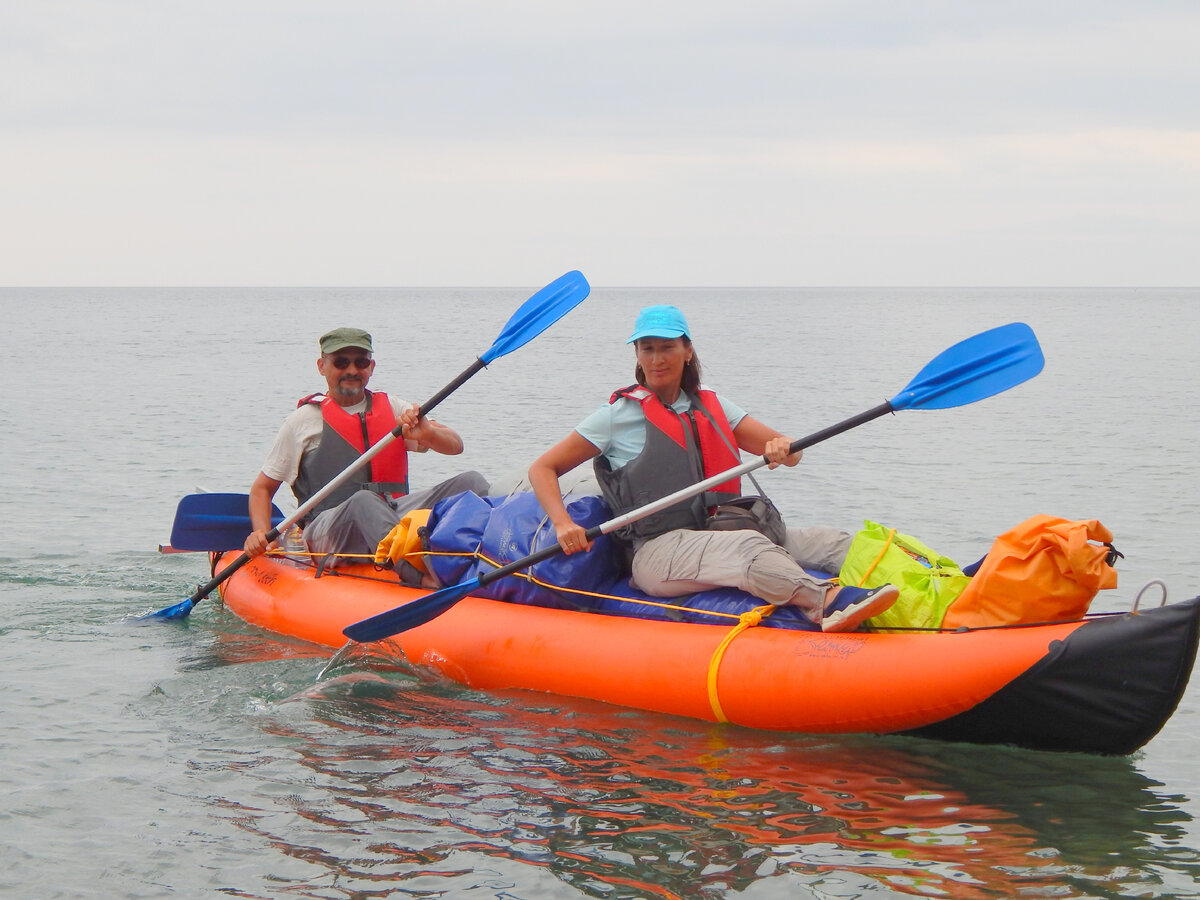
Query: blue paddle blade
{"type": "Point", "coordinates": [214, 522]}
{"type": "Point", "coordinates": [538, 313]}
{"type": "Point", "coordinates": [410, 615]}
{"type": "Point", "coordinates": [971, 370]}
{"type": "Point", "coordinates": [180, 610]}
{"type": "Point", "coordinates": [981, 366]}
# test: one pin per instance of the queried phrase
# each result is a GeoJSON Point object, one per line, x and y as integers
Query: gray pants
{"type": "Point", "coordinates": [685, 562]}
{"type": "Point", "coordinates": [358, 524]}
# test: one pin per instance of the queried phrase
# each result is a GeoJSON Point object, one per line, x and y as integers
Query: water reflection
{"type": "Point", "coordinates": [425, 788]}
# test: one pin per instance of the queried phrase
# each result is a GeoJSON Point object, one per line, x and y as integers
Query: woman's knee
{"type": "Point", "coordinates": [775, 576]}
{"type": "Point", "coordinates": [819, 546]}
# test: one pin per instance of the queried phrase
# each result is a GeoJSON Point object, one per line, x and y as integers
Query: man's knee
{"type": "Point", "coordinates": [360, 502]}
{"type": "Point", "coordinates": [353, 508]}
{"type": "Point", "coordinates": [456, 484]}
{"type": "Point", "coordinates": [354, 526]}
{"type": "Point", "coordinates": [475, 483]}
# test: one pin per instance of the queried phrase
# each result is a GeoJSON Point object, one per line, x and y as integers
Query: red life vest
{"type": "Point", "coordinates": [344, 438]}
{"type": "Point", "coordinates": [680, 450]}
{"type": "Point", "coordinates": [715, 452]}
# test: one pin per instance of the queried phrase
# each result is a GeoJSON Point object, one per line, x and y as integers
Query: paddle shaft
{"type": "Point", "coordinates": [736, 472]}
{"type": "Point", "coordinates": [375, 449]}
{"type": "Point", "coordinates": [312, 502]}
{"type": "Point", "coordinates": [975, 368]}
{"type": "Point", "coordinates": [420, 611]}
{"type": "Point", "coordinates": [533, 317]}
{"type": "Point", "coordinates": [686, 493]}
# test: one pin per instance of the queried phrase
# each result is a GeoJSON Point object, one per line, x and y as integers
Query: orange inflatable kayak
{"type": "Point", "coordinates": [1105, 684]}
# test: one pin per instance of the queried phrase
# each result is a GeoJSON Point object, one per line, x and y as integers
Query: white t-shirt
{"type": "Point", "coordinates": [301, 433]}
{"type": "Point", "coordinates": [619, 429]}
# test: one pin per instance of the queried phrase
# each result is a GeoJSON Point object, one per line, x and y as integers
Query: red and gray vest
{"type": "Point", "coordinates": [344, 438]}
{"type": "Point", "coordinates": [681, 450]}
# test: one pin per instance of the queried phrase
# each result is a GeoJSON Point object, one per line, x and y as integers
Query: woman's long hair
{"type": "Point", "coordinates": [690, 383]}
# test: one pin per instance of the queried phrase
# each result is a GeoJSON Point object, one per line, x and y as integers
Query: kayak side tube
{"type": "Point", "coordinates": [1108, 687]}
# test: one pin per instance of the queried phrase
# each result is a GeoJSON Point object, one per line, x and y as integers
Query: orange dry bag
{"type": "Point", "coordinates": [1045, 570]}
{"type": "Point", "coordinates": [403, 543]}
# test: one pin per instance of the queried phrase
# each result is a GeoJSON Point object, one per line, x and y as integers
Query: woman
{"type": "Point", "coordinates": [668, 432]}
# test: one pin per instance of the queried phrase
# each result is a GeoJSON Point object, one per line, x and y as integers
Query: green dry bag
{"type": "Point", "coordinates": [928, 581]}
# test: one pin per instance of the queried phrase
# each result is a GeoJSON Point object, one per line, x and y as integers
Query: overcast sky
{"type": "Point", "coordinates": [480, 142]}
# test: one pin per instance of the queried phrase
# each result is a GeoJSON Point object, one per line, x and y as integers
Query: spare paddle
{"type": "Point", "coordinates": [214, 522]}
{"type": "Point", "coordinates": [535, 315]}
{"type": "Point", "coordinates": [971, 370]}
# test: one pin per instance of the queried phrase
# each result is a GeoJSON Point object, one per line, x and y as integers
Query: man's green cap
{"type": "Point", "coordinates": [341, 338]}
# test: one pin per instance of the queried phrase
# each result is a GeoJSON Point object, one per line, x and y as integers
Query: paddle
{"type": "Point", "coordinates": [214, 522]}
{"type": "Point", "coordinates": [971, 370]}
{"type": "Point", "coordinates": [534, 316]}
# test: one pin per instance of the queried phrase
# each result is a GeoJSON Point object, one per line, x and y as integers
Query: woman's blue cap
{"type": "Point", "coordinates": [659, 321]}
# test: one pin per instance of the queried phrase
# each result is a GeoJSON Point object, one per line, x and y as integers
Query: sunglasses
{"type": "Point", "coordinates": [343, 362]}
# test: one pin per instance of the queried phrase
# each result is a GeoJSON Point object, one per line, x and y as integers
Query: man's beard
{"type": "Point", "coordinates": [350, 387]}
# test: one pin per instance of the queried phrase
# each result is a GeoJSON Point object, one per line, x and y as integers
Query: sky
{"type": "Point", "coordinates": [489, 143]}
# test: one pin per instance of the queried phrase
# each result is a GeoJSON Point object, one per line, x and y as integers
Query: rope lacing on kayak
{"type": "Point", "coordinates": [884, 629]}
{"type": "Point", "coordinates": [746, 620]}
{"type": "Point", "coordinates": [533, 579]}
{"type": "Point", "coordinates": [280, 553]}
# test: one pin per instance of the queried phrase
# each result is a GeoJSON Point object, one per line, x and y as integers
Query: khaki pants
{"type": "Point", "coordinates": [685, 562]}
{"type": "Point", "coordinates": [357, 525]}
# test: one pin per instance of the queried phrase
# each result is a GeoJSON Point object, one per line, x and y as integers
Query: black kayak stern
{"type": "Point", "coordinates": [1108, 688]}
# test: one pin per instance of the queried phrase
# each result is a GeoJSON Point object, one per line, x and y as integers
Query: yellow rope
{"type": "Point", "coordinates": [745, 620]}
{"type": "Point", "coordinates": [365, 557]}
{"type": "Point", "coordinates": [566, 590]}
{"type": "Point", "coordinates": [871, 568]}
{"type": "Point", "coordinates": [279, 552]}
{"type": "Point", "coordinates": [582, 593]}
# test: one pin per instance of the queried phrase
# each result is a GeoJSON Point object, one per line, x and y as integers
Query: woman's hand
{"type": "Point", "coordinates": [572, 538]}
{"type": "Point", "coordinates": [762, 440]}
{"type": "Point", "coordinates": [776, 451]}
{"type": "Point", "coordinates": [543, 478]}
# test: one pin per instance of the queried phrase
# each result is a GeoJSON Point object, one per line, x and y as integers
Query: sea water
{"type": "Point", "coordinates": [205, 757]}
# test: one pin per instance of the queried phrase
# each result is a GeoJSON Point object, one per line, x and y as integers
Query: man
{"type": "Point", "coordinates": [327, 432]}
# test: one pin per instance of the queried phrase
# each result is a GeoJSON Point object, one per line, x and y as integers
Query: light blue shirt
{"type": "Point", "coordinates": [619, 429]}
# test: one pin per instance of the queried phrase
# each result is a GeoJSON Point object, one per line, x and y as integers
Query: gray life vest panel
{"type": "Point", "coordinates": [662, 468]}
{"type": "Point", "coordinates": [336, 452]}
